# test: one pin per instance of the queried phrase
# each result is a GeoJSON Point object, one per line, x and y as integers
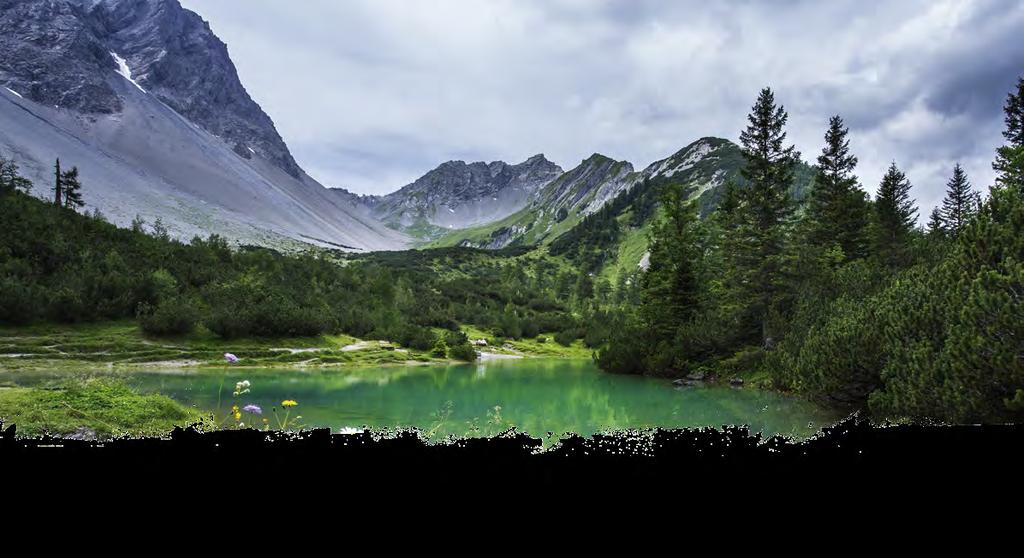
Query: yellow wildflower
{"type": "Point", "coordinates": [289, 403]}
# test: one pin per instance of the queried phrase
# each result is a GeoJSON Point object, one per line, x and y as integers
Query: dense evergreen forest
{"type": "Point", "coordinates": [832, 294]}
{"type": "Point", "coordinates": [842, 298]}
{"type": "Point", "coordinates": [57, 265]}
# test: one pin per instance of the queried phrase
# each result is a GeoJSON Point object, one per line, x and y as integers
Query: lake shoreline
{"type": "Point", "coordinates": [70, 359]}
{"type": "Point", "coordinates": [120, 345]}
{"type": "Point", "coordinates": [533, 395]}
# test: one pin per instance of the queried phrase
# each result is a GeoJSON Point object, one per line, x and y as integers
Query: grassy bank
{"type": "Point", "coordinates": [100, 408]}
{"type": "Point", "coordinates": [78, 405]}
{"type": "Point", "coordinates": [122, 344]}
{"type": "Point", "coordinates": [543, 346]}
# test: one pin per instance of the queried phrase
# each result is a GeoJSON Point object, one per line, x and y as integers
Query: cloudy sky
{"type": "Point", "coordinates": [370, 94]}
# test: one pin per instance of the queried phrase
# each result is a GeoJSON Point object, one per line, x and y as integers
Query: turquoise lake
{"type": "Point", "coordinates": [534, 396]}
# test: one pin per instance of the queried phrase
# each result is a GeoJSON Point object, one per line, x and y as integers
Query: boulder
{"type": "Point", "coordinates": [82, 433]}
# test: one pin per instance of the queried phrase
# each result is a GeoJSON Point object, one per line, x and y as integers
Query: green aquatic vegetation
{"type": "Point", "coordinates": [440, 417]}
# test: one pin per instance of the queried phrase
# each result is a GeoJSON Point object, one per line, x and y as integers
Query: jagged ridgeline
{"type": "Point", "coordinates": [457, 195]}
{"type": "Point", "coordinates": [142, 97]}
{"type": "Point", "coordinates": [599, 212]}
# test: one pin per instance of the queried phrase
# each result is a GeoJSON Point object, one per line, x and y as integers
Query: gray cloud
{"type": "Point", "coordinates": [370, 94]}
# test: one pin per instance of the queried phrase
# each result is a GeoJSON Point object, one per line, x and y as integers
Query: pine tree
{"type": "Point", "coordinates": [160, 230]}
{"type": "Point", "coordinates": [1010, 157]}
{"type": "Point", "coordinates": [72, 189]}
{"type": "Point", "coordinates": [895, 217]}
{"type": "Point", "coordinates": [936, 223]}
{"type": "Point", "coordinates": [728, 222]}
{"type": "Point", "coordinates": [960, 204]}
{"type": "Point", "coordinates": [838, 211]}
{"type": "Point", "coordinates": [669, 288]}
{"type": "Point", "coordinates": [955, 337]}
{"type": "Point", "coordinates": [730, 201]}
{"type": "Point", "coordinates": [767, 205]}
{"type": "Point", "coordinates": [11, 179]}
{"type": "Point", "coordinates": [57, 176]}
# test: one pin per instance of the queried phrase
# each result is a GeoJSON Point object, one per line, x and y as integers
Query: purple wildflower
{"type": "Point", "coordinates": [230, 358]}
{"type": "Point", "coordinates": [254, 409]}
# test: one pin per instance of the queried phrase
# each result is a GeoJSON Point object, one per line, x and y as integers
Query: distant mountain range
{"type": "Point", "coordinates": [143, 98]}
{"type": "Point", "coordinates": [457, 195]}
{"type": "Point", "coordinates": [703, 167]}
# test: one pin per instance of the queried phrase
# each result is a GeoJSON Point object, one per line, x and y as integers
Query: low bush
{"type": "Point", "coordinates": [174, 316]}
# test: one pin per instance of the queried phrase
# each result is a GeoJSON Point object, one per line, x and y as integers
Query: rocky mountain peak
{"type": "Point", "coordinates": [65, 53]}
{"type": "Point", "coordinates": [686, 157]}
{"type": "Point", "coordinates": [598, 158]}
{"type": "Point", "coordinates": [457, 194]}
{"type": "Point", "coordinates": [596, 179]}
{"type": "Point", "coordinates": [142, 97]}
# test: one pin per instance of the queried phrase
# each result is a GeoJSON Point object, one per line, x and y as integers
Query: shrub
{"type": "Point", "coordinates": [626, 356]}
{"type": "Point", "coordinates": [173, 316]}
{"type": "Point", "coordinates": [462, 352]}
{"type": "Point", "coordinates": [247, 306]}
{"type": "Point", "coordinates": [414, 337]}
{"type": "Point", "coordinates": [18, 301]}
{"type": "Point", "coordinates": [439, 349]}
{"type": "Point", "coordinates": [457, 337]}
{"type": "Point", "coordinates": [566, 337]}
{"type": "Point", "coordinates": [66, 305]}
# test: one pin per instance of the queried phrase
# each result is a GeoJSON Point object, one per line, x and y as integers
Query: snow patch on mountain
{"type": "Point", "coordinates": [124, 70]}
{"type": "Point", "coordinates": [191, 147]}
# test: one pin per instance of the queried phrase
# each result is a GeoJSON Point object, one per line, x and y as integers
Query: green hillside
{"type": "Point", "coordinates": [611, 241]}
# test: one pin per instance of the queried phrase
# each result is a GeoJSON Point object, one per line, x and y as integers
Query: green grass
{"type": "Point", "coordinates": [631, 250]}
{"type": "Point", "coordinates": [479, 234]}
{"type": "Point", "coordinates": [421, 230]}
{"type": "Point", "coordinates": [529, 348]}
{"type": "Point", "coordinates": [122, 344]}
{"type": "Point", "coordinates": [107, 407]}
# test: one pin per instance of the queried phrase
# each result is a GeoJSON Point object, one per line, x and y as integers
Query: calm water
{"type": "Point", "coordinates": [535, 396]}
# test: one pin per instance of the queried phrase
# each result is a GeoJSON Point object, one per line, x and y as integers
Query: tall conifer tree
{"type": "Point", "coordinates": [936, 223]}
{"type": "Point", "coordinates": [838, 211]}
{"type": "Point", "coordinates": [72, 189]}
{"type": "Point", "coordinates": [1010, 157]}
{"type": "Point", "coordinates": [960, 204]}
{"type": "Point", "coordinates": [669, 287]}
{"type": "Point", "coordinates": [895, 217]}
{"type": "Point", "coordinates": [767, 204]}
{"type": "Point", "coordinates": [10, 178]}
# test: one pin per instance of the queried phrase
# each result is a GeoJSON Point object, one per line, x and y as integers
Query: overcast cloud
{"type": "Point", "coordinates": [370, 94]}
